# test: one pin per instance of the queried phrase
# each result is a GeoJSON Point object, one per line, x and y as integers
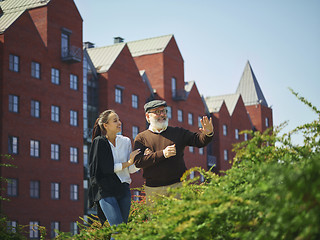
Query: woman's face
{"type": "Point", "coordinates": [113, 125]}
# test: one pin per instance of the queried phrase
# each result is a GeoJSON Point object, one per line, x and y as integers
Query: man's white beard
{"type": "Point", "coordinates": [158, 125]}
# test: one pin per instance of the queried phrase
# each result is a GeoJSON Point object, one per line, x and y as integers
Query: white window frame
{"type": "Point", "coordinates": [55, 113]}
{"type": "Point", "coordinates": [73, 118]}
{"type": "Point", "coordinates": [225, 129]}
{"type": "Point", "coordinates": [13, 103]}
{"type": "Point", "coordinates": [35, 108]}
{"type": "Point", "coordinates": [74, 192]}
{"type": "Point", "coordinates": [55, 76]}
{"type": "Point", "coordinates": [135, 101]}
{"type": "Point", "coordinates": [245, 136]}
{"type": "Point", "coordinates": [55, 190]}
{"type": "Point", "coordinates": [135, 131]}
{"type": "Point", "coordinates": [54, 226]}
{"type": "Point", "coordinates": [34, 148]}
{"type": "Point", "coordinates": [180, 115]}
{"type": "Point", "coordinates": [225, 155]}
{"type": "Point", "coordinates": [14, 63]}
{"type": "Point", "coordinates": [35, 70]}
{"type": "Point", "coordinates": [74, 154]}
{"type": "Point", "coordinates": [12, 187]}
{"type": "Point", "coordinates": [55, 151]}
{"type": "Point", "coordinates": [236, 133]}
{"type": "Point", "coordinates": [34, 230]}
{"type": "Point", "coordinates": [13, 145]}
{"type": "Point", "coordinates": [174, 87]}
{"type": "Point", "coordinates": [74, 82]}
{"type": "Point", "coordinates": [169, 113]}
{"type": "Point", "coordinates": [34, 189]}
{"type": "Point", "coordinates": [201, 151]}
{"type": "Point", "coordinates": [118, 95]}
{"type": "Point", "coordinates": [74, 228]}
{"type": "Point", "coordinates": [267, 122]}
{"type": "Point", "coordinates": [191, 149]}
{"type": "Point", "coordinates": [190, 118]}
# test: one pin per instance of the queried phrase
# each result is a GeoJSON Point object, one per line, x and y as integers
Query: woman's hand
{"type": "Point", "coordinates": [133, 155]}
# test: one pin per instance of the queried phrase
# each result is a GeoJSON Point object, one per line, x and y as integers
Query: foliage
{"type": "Point", "coordinates": [271, 192]}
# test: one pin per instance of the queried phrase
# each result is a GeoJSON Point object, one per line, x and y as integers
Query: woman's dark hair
{"type": "Point", "coordinates": [98, 128]}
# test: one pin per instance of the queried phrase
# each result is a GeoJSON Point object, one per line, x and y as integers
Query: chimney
{"type": "Point", "coordinates": [118, 40]}
{"type": "Point", "coordinates": [89, 45]}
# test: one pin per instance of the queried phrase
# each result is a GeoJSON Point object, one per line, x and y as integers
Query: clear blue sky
{"type": "Point", "coordinates": [281, 39]}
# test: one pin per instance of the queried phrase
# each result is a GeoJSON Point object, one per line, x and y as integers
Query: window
{"type": "Point", "coordinates": [236, 133]}
{"type": "Point", "coordinates": [55, 226]}
{"type": "Point", "coordinates": [245, 136]}
{"type": "Point", "coordinates": [118, 95]}
{"type": "Point", "coordinates": [173, 87]}
{"type": "Point", "coordinates": [135, 131]}
{"type": "Point", "coordinates": [13, 143]}
{"type": "Point", "coordinates": [34, 148]}
{"type": "Point", "coordinates": [55, 190]}
{"type": "Point", "coordinates": [74, 228]}
{"type": "Point", "coordinates": [180, 115]}
{"type": "Point", "coordinates": [55, 113]}
{"type": "Point", "coordinates": [267, 122]}
{"type": "Point", "coordinates": [13, 103]}
{"type": "Point", "coordinates": [12, 226]}
{"type": "Point", "coordinates": [191, 149]}
{"type": "Point", "coordinates": [64, 44]}
{"type": "Point", "coordinates": [34, 230]}
{"type": "Point", "coordinates": [134, 101]}
{"type": "Point", "coordinates": [190, 119]}
{"type": "Point", "coordinates": [14, 63]}
{"type": "Point", "coordinates": [73, 82]}
{"type": "Point", "coordinates": [35, 70]}
{"type": "Point", "coordinates": [192, 175]}
{"type": "Point", "coordinates": [199, 122]}
{"type": "Point", "coordinates": [85, 155]}
{"type": "Point", "coordinates": [12, 188]}
{"type": "Point", "coordinates": [225, 155]}
{"type": "Point", "coordinates": [35, 108]}
{"type": "Point", "coordinates": [34, 189]}
{"type": "Point", "coordinates": [55, 76]}
{"type": "Point", "coordinates": [201, 178]}
{"type": "Point", "coordinates": [74, 192]}
{"type": "Point", "coordinates": [73, 155]}
{"type": "Point", "coordinates": [225, 130]}
{"type": "Point", "coordinates": [136, 195]}
{"type": "Point", "coordinates": [201, 151]}
{"type": "Point", "coordinates": [55, 152]}
{"type": "Point", "coordinates": [169, 113]}
{"type": "Point", "coordinates": [73, 118]}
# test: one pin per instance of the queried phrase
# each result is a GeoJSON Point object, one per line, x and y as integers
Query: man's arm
{"type": "Point", "coordinates": [144, 161]}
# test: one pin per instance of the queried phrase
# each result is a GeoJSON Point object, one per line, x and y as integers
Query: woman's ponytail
{"type": "Point", "coordinates": [98, 128]}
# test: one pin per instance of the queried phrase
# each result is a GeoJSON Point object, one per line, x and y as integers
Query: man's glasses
{"type": "Point", "coordinates": [158, 112]}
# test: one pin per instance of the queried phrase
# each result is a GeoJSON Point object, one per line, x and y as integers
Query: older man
{"type": "Point", "coordinates": [163, 163]}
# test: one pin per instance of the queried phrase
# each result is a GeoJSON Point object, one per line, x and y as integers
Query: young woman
{"type": "Point", "coordinates": [110, 163]}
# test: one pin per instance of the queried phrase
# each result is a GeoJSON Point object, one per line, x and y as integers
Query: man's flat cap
{"type": "Point", "coordinates": [154, 104]}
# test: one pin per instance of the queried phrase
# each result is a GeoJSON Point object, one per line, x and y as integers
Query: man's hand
{"type": "Point", "coordinates": [207, 127]}
{"type": "Point", "coordinates": [170, 151]}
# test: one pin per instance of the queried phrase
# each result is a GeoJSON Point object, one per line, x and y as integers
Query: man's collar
{"type": "Point", "coordinates": [152, 129]}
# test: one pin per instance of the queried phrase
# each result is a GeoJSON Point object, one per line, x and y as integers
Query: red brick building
{"type": "Point", "coordinates": [247, 109]}
{"type": "Point", "coordinates": [51, 95]}
{"type": "Point", "coordinates": [41, 113]}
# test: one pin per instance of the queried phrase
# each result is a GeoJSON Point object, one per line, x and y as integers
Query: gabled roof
{"type": "Point", "coordinates": [12, 10]}
{"type": "Point", "coordinates": [214, 103]}
{"type": "Point", "coordinates": [145, 79]}
{"type": "Point", "coordinates": [188, 87]}
{"type": "Point", "coordinates": [104, 57]}
{"type": "Point", "coordinates": [149, 45]}
{"type": "Point", "coordinates": [249, 88]}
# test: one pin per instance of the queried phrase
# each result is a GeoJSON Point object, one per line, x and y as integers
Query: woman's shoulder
{"type": "Point", "coordinates": [99, 139]}
{"type": "Point", "coordinates": [123, 138]}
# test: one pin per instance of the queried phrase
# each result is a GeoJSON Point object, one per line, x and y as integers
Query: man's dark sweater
{"type": "Point", "coordinates": [161, 171]}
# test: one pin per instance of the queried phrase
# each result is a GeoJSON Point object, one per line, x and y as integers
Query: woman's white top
{"type": "Point", "coordinates": [121, 153]}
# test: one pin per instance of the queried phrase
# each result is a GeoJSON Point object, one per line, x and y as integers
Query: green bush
{"type": "Point", "coordinates": [271, 192]}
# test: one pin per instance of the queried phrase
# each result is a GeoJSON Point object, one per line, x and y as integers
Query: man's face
{"type": "Point", "coordinates": [157, 117]}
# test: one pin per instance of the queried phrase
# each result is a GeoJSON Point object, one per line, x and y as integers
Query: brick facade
{"type": "Point", "coordinates": [36, 37]}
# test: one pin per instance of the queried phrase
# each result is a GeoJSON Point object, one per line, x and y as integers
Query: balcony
{"type": "Point", "coordinates": [180, 95]}
{"type": "Point", "coordinates": [71, 54]}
